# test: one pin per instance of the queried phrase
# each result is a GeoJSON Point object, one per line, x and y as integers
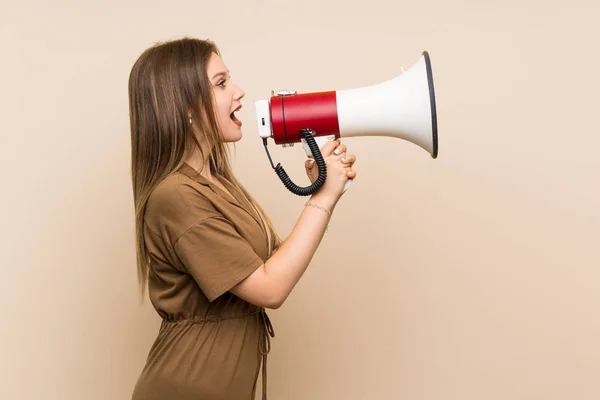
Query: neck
{"type": "Point", "coordinates": [197, 162]}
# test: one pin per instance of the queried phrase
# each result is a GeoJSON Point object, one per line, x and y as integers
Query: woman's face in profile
{"type": "Point", "coordinates": [227, 97]}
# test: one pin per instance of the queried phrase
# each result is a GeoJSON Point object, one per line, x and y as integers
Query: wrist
{"type": "Point", "coordinates": [324, 200]}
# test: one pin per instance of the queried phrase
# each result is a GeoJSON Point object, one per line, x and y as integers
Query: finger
{"type": "Point", "coordinates": [350, 173]}
{"type": "Point", "coordinates": [340, 149]}
{"type": "Point", "coordinates": [329, 147]}
{"type": "Point", "coordinates": [348, 159]}
{"type": "Point", "coordinates": [309, 164]}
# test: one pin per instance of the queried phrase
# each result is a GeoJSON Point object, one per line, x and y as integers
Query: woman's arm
{"type": "Point", "coordinates": [270, 285]}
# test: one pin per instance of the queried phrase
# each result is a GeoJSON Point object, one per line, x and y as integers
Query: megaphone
{"type": "Point", "coordinates": [403, 107]}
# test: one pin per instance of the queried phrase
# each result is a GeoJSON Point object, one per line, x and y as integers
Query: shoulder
{"type": "Point", "coordinates": [177, 203]}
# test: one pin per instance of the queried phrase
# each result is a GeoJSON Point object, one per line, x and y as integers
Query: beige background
{"type": "Point", "coordinates": [473, 276]}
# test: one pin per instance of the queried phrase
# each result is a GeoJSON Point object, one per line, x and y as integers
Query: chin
{"type": "Point", "coordinates": [232, 137]}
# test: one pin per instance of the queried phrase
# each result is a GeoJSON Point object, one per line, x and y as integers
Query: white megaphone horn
{"type": "Point", "coordinates": [403, 107]}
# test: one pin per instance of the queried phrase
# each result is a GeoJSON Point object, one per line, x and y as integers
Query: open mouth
{"type": "Point", "coordinates": [234, 118]}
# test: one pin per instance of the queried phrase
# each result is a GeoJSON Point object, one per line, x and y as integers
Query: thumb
{"type": "Point", "coordinates": [309, 164]}
{"type": "Point", "coordinates": [329, 147]}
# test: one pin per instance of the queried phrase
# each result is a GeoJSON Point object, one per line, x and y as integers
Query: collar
{"type": "Point", "coordinates": [187, 170]}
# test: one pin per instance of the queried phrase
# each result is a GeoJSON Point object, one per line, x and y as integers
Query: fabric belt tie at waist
{"type": "Point", "coordinates": [264, 343]}
{"type": "Point", "coordinates": [265, 347]}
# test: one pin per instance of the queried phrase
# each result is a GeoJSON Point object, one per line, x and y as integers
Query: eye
{"type": "Point", "coordinates": [221, 83]}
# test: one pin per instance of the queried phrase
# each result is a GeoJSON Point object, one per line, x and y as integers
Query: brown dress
{"type": "Point", "coordinates": [202, 242]}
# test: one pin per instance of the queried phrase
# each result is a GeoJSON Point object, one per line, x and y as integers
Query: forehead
{"type": "Point", "coordinates": [215, 66]}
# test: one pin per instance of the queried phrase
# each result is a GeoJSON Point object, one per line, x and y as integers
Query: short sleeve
{"type": "Point", "coordinates": [216, 256]}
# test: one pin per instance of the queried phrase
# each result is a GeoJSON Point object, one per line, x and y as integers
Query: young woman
{"type": "Point", "coordinates": [207, 252]}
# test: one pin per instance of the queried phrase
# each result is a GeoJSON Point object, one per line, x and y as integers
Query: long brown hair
{"type": "Point", "coordinates": [166, 83]}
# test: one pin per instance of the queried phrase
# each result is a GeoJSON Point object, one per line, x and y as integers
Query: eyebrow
{"type": "Point", "coordinates": [219, 74]}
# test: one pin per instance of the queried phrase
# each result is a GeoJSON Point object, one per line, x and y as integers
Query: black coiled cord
{"type": "Point", "coordinates": [307, 134]}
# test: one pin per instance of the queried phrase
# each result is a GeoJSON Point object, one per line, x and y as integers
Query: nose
{"type": "Point", "coordinates": [239, 93]}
